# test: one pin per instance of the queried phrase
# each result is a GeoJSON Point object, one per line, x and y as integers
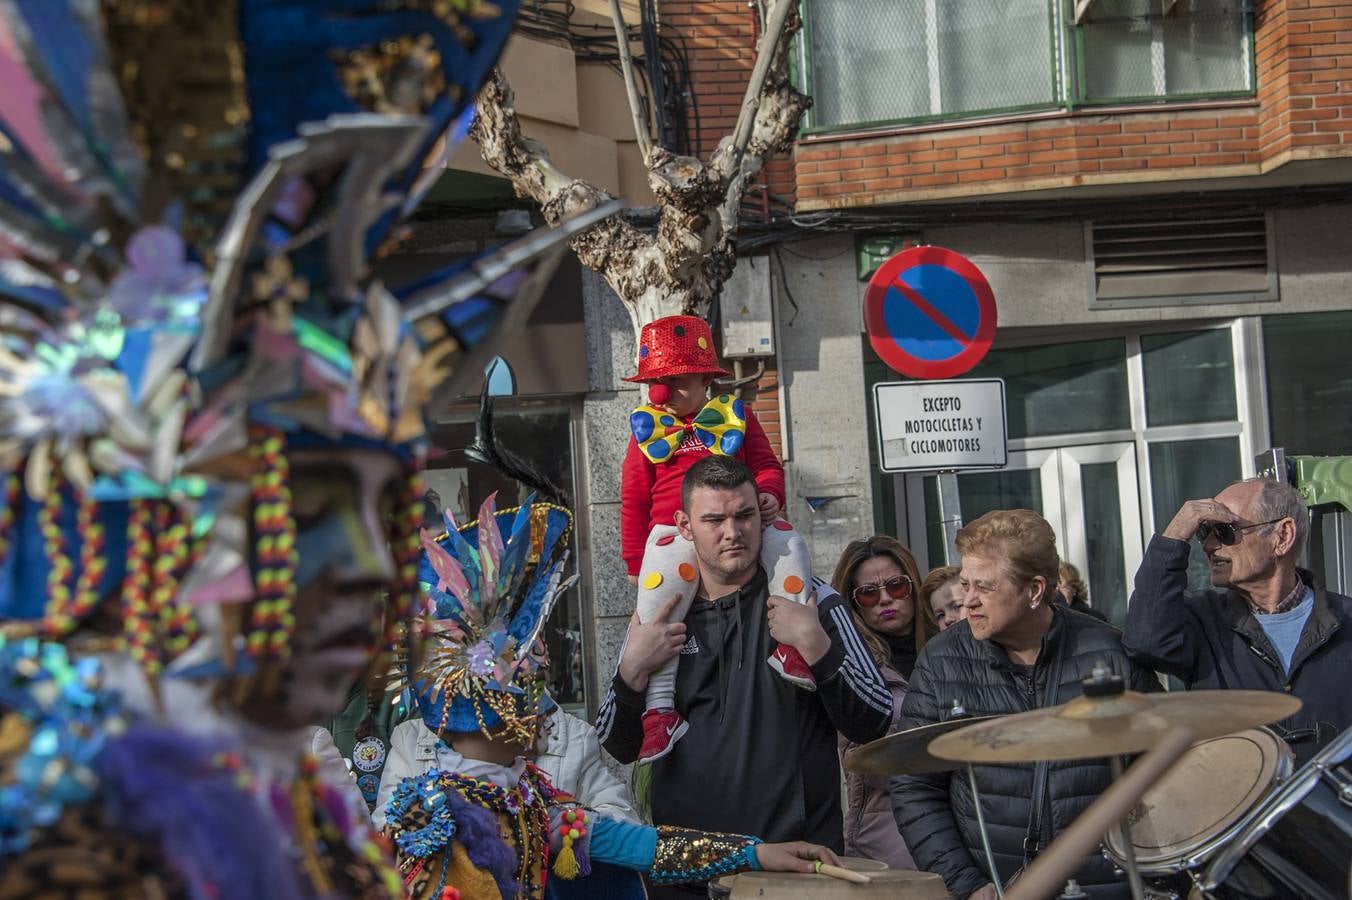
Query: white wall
{"type": "Point", "coordinates": [821, 365]}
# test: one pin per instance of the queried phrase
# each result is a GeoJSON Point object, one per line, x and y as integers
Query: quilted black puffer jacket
{"type": "Point", "coordinates": [1022, 803]}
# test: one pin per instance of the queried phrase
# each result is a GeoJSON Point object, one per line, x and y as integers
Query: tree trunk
{"type": "Point", "coordinates": [682, 267]}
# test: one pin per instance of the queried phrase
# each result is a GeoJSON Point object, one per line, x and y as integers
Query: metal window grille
{"type": "Point", "coordinates": [1182, 262]}
{"type": "Point", "coordinates": [1146, 49]}
{"type": "Point", "coordinates": [875, 62]}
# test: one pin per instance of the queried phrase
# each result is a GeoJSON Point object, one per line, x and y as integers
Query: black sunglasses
{"type": "Point", "coordinates": [898, 587]}
{"type": "Point", "coordinates": [1227, 533]}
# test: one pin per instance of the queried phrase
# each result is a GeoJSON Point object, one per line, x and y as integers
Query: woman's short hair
{"type": "Point", "coordinates": [1020, 539]}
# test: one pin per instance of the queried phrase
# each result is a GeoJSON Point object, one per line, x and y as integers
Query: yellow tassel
{"type": "Point", "coordinates": [565, 864]}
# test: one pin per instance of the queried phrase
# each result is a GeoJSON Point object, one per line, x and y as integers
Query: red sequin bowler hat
{"type": "Point", "coordinates": [676, 345]}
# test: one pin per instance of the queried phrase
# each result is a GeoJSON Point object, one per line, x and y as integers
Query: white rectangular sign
{"type": "Point", "coordinates": [940, 425]}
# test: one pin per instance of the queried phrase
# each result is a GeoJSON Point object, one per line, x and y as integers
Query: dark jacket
{"type": "Point", "coordinates": [1210, 640]}
{"type": "Point", "coordinates": [1082, 607]}
{"type": "Point", "coordinates": [870, 830]}
{"type": "Point", "coordinates": [760, 755]}
{"type": "Point", "coordinates": [1020, 802]}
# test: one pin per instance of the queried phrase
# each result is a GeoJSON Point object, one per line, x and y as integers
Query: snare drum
{"type": "Point", "coordinates": [1193, 810]}
{"type": "Point", "coordinates": [1298, 842]}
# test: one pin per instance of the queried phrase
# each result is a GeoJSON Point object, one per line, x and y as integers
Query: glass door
{"type": "Point", "coordinates": [1102, 521]}
{"type": "Point", "coordinates": [1088, 494]}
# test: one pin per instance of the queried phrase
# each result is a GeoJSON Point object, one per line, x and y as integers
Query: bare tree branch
{"type": "Point", "coordinates": [645, 143]}
{"type": "Point", "coordinates": [681, 268]}
{"type": "Point", "coordinates": [766, 53]}
{"type": "Point", "coordinates": [779, 109]}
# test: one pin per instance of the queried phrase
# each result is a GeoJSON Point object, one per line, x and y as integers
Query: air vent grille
{"type": "Point", "coordinates": [1193, 261]}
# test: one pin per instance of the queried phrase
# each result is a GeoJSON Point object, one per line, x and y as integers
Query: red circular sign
{"type": "Point", "coordinates": [929, 313]}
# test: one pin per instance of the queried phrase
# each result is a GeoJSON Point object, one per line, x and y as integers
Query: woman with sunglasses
{"type": "Point", "coordinates": [879, 576]}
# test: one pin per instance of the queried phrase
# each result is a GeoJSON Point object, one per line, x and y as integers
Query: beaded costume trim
{"type": "Point", "coordinates": [686, 855]}
{"type": "Point", "coordinates": [424, 823]}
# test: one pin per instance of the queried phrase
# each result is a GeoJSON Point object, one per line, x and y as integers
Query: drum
{"type": "Point", "coordinates": [888, 884]}
{"type": "Point", "coordinates": [1191, 812]}
{"type": "Point", "coordinates": [1298, 842]}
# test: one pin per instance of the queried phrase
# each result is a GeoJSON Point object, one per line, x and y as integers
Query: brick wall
{"type": "Point", "coordinates": [765, 404]}
{"type": "Point", "coordinates": [1304, 56]}
{"type": "Point", "coordinates": [720, 39]}
{"type": "Point", "coordinates": [1303, 110]}
{"type": "Point", "coordinates": [1046, 153]}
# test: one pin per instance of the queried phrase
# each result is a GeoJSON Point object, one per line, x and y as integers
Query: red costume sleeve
{"type": "Point", "coordinates": [636, 504]}
{"type": "Point", "coordinates": [760, 458]}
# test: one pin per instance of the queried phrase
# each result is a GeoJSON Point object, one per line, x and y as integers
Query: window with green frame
{"type": "Point", "coordinates": [878, 62]}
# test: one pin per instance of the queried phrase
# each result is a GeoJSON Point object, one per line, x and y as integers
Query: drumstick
{"type": "Point", "coordinates": [1048, 873]}
{"type": "Point", "coordinates": [822, 868]}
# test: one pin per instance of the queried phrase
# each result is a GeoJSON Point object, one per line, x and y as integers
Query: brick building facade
{"type": "Point", "coordinates": [1171, 271]}
{"type": "Point", "coordinates": [1139, 247]}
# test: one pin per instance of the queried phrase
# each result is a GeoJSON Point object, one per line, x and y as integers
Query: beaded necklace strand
{"type": "Point", "coordinates": [526, 809]}
{"type": "Point", "coordinates": [354, 859]}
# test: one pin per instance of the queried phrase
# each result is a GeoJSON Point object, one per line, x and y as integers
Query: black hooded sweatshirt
{"type": "Point", "coordinates": [760, 755]}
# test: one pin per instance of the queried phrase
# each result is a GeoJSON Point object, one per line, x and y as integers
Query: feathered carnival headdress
{"type": "Point", "coordinates": [191, 193]}
{"type": "Point", "coordinates": [491, 585]}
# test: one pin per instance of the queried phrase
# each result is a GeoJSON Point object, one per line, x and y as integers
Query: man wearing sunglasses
{"type": "Point", "coordinates": [1265, 625]}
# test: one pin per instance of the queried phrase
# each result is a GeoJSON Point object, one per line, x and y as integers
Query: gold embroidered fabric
{"type": "Point", "coordinates": [685, 855]}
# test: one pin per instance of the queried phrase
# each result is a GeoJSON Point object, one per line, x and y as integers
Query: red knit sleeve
{"type": "Point", "coordinates": [636, 503]}
{"type": "Point", "coordinates": [760, 458]}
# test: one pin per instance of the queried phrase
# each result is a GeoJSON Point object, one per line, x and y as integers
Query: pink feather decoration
{"type": "Point", "coordinates": [450, 577]}
{"type": "Point", "coordinates": [490, 539]}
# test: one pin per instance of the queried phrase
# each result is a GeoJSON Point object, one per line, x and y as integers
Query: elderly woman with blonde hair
{"type": "Point", "coordinates": [1019, 651]}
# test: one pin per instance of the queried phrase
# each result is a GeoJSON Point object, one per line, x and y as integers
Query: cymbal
{"type": "Point", "coordinates": [1096, 727]}
{"type": "Point", "coordinates": [907, 752]}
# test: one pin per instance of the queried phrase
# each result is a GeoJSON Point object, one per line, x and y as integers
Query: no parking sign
{"type": "Point", "coordinates": [929, 313]}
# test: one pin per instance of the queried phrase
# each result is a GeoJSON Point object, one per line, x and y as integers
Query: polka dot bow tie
{"type": "Point", "coordinates": [720, 426]}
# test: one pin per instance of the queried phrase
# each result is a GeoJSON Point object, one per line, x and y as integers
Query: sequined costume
{"type": "Point", "coordinates": [491, 831]}
{"type": "Point", "coordinates": [558, 848]}
{"type": "Point", "coordinates": [192, 193]}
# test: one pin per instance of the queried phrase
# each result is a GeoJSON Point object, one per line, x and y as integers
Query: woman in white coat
{"type": "Point", "coordinates": [570, 755]}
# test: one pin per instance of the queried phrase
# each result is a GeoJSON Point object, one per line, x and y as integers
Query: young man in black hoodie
{"type": "Point", "coordinates": [760, 756]}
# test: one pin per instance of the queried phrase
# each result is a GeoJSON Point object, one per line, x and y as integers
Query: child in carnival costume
{"type": "Point", "coordinates": [680, 425]}
{"type": "Point", "coordinates": [487, 824]}
{"type": "Point", "coordinates": [211, 423]}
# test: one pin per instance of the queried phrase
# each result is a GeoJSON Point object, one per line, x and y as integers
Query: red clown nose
{"type": "Point", "coordinates": [658, 394]}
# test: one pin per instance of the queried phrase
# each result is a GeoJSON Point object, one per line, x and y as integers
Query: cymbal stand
{"type": "Point", "coordinates": [1128, 849]}
{"type": "Point", "coordinates": [985, 838]}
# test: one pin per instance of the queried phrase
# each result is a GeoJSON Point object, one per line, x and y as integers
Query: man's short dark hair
{"type": "Point", "coordinates": [722, 473]}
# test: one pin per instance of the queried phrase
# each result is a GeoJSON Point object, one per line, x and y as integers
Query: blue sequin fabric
{"type": "Point", "coordinates": [56, 712]}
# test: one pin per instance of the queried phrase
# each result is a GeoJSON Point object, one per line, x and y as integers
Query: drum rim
{"type": "Point", "coordinates": [1280, 802]}
{"type": "Point", "coordinates": [1193, 853]}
